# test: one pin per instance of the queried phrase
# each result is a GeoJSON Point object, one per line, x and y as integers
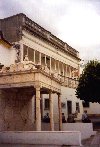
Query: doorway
{"type": "Point", "coordinates": [69, 107]}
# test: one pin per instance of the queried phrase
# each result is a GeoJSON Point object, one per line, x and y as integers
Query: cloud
{"type": "Point", "coordinates": [74, 21]}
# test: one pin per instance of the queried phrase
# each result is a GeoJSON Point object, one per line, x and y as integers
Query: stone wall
{"type": "Point", "coordinates": [94, 108]}
{"type": "Point", "coordinates": [15, 111]}
{"type": "Point", "coordinates": [11, 27]}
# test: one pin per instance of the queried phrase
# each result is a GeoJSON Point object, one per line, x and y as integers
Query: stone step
{"type": "Point", "coordinates": [24, 145]}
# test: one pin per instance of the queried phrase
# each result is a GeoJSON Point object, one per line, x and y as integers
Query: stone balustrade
{"type": "Point", "coordinates": [69, 82]}
{"type": "Point", "coordinates": [29, 65]}
{"type": "Point", "coordinates": [21, 66]}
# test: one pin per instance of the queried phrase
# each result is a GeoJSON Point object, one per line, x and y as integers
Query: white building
{"type": "Point", "coordinates": [35, 60]}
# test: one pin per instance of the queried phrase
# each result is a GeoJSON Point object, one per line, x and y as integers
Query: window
{"type": "Point", "coordinates": [77, 107]}
{"type": "Point", "coordinates": [46, 104]}
{"type": "Point", "coordinates": [86, 104]}
{"type": "Point", "coordinates": [29, 52]}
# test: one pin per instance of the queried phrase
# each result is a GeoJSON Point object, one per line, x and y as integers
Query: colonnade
{"type": "Point", "coordinates": [61, 68]}
{"type": "Point", "coordinates": [38, 110]}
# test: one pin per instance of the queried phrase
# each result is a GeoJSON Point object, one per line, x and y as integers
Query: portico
{"type": "Point", "coordinates": [27, 75]}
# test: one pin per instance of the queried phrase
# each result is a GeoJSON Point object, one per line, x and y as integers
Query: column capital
{"type": "Point", "coordinates": [37, 85]}
{"type": "Point", "coordinates": [59, 94]}
{"type": "Point", "coordinates": [50, 91]}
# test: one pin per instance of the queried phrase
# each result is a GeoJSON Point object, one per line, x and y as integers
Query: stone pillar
{"type": "Point", "coordinates": [34, 56]}
{"type": "Point", "coordinates": [63, 68]}
{"type": "Point", "coordinates": [58, 68]}
{"type": "Point", "coordinates": [55, 65]}
{"type": "Point", "coordinates": [51, 112]}
{"type": "Point", "coordinates": [50, 64]}
{"type": "Point", "coordinates": [39, 58]}
{"type": "Point", "coordinates": [33, 108]}
{"type": "Point", "coordinates": [22, 51]}
{"type": "Point", "coordinates": [78, 70]}
{"type": "Point", "coordinates": [45, 60]}
{"type": "Point", "coordinates": [70, 72]}
{"type": "Point", "coordinates": [66, 74]}
{"type": "Point", "coordinates": [60, 112]}
{"type": "Point", "coordinates": [38, 113]}
{"type": "Point", "coordinates": [41, 106]}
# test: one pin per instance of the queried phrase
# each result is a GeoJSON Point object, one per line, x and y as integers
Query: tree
{"type": "Point", "coordinates": [89, 83]}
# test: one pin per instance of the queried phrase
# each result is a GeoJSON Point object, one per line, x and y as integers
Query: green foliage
{"type": "Point", "coordinates": [89, 83]}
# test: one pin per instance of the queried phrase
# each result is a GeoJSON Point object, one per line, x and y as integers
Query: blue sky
{"type": "Point", "coordinates": [76, 22]}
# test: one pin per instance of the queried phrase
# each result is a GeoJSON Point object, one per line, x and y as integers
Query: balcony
{"type": "Point", "coordinates": [69, 82]}
{"type": "Point", "coordinates": [27, 74]}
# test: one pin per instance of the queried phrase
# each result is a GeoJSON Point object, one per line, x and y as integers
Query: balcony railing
{"type": "Point", "coordinates": [30, 66]}
{"type": "Point", "coordinates": [69, 82]}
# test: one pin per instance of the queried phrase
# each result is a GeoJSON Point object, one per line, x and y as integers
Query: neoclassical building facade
{"type": "Point", "coordinates": [38, 75]}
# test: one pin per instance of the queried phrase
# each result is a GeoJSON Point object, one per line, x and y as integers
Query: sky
{"type": "Point", "coordinates": [76, 22]}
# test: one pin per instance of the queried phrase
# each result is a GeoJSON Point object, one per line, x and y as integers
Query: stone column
{"type": "Point", "coordinates": [41, 106]}
{"type": "Point", "coordinates": [39, 58]}
{"type": "Point", "coordinates": [33, 109]}
{"type": "Point", "coordinates": [70, 72]}
{"type": "Point", "coordinates": [55, 65]}
{"type": "Point", "coordinates": [50, 64]}
{"type": "Point", "coordinates": [60, 112]}
{"type": "Point", "coordinates": [63, 69]}
{"type": "Point", "coordinates": [66, 74]}
{"type": "Point", "coordinates": [51, 112]}
{"type": "Point", "coordinates": [58, 68]}
{"type": "Point", "coordinates": [45, 60]}
{"type": "Point", "coordinates": [78, 70]}
{"type": "Point", "coordinates": [34, 56]}
{"type": "Point", "coordinates": [22, 51]}
{"type": "Point", "coordinates": [38, 113]}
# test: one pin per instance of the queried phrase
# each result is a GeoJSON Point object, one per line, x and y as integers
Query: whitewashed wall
{"type": "Point", "coordinates": [93, 109]}
{"type": "Point", "coordinates": [67, 94]}
{"type": "Point", "coordinates": [7, 55]}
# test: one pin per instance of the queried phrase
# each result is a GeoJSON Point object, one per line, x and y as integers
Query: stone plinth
{"type": "Point", "coordinates": [86, 129]}
{"type": "Point", "coordinates": [42, 137]}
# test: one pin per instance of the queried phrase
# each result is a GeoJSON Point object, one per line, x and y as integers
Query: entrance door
{"type": "Point", "coordinates": [69, 107]}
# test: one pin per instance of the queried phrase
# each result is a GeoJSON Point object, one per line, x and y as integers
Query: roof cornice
{"type": "Point", "coordinates": [40, 32]}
